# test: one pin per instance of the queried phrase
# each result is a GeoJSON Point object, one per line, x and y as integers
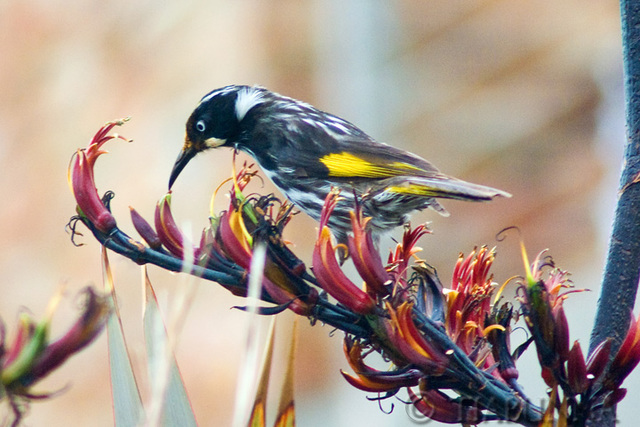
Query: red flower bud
{"type": "Point", "coordinates": [439, 407]}
{"type": "Point", "coordinates": [232, 240]}
{"type": "Point", "coordinates": [561, 332]}
{"type": "Point", "coordinates": [333, 280]}
{"type": "Point", "coordinates": [577, 370]}
{"type": "Point", "coordinates": [82, 182]}
{"type": "Point", "coordinates": [168, 231]}
{"type": "Point", "coordinates": [614, 397]}
{"type": "Point", "coordinates": [32, 357]}
{"type": "Point", "coordinates": [598, 359]}
{"type": "Point", "coordinates": [329, 274]}
{"type": "Point", "coordinates": [366, 257]}
{"type": "Point", "coordinates": [94, 317]}
{"type": "Point", "coordinates": [627, 357]}
{"type": "Point", "coordinates": [372, 380]}
{"type": "Point", "coordinates": [145, 230]}
{"type": "Point", "coordinates": [90, 205]}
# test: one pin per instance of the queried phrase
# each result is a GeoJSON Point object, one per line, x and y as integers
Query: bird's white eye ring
{"type": "Point", "coordinates": [200, 126]}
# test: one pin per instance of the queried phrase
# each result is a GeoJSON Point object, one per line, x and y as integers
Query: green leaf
{"type": "Point", "coordinates": [170, 403]}
{"type": "Point", "coordinates": [127, 404]}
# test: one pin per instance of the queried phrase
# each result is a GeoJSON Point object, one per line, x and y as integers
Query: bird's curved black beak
{"type": "Point", "coordinates": [188, 152]}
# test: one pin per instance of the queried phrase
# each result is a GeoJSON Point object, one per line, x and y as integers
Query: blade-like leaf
{"type": "Point", "coordinates": [286, 409]}
{"type": "Point", "coordinates": [250, 359]}
{"type": "Point", "coordinates": [258, 413]}
{"type": "Point", "coordinates": [169, 402]}
{"type": "Point", "coordinates": [127, 404]}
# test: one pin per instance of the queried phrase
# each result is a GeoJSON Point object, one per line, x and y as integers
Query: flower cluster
{"type": "Point", "coordinates": [31, 356]}
{"type": "Point", "coordinates": [449, 348]}
{"type": "Point", "coordinates": [577, 385]}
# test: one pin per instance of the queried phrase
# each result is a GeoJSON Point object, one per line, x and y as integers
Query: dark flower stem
{"type": "Point", "coordinates": [120, 243]}
{"type": "Point", "coordinates": [620, 281]}
{"type": "Point", "coordinates": [234, 280]}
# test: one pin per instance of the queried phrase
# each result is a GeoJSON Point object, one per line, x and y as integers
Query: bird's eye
{"type": "Point", "coordinates": [200, 126]}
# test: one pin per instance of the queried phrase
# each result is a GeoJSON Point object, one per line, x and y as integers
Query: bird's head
{"type": "Point", "coordinates": [215, 122]}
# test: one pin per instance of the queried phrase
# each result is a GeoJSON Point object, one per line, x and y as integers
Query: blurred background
{"type": "Point", "coordinates": [525, 96]}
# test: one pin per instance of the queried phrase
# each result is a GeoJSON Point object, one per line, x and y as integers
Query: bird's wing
{"type": "Point", "coordinates": [340, 151]}
{"type": "Point", "coordinates": [350, 156]}
{"type": "Point", "coordinates": [441, 186]}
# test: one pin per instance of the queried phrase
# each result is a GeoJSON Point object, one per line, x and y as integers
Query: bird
{"type": "Point", "coordinates": [308, 153]}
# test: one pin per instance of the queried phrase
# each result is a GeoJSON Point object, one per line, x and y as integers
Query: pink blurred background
{"type": "Point", "coordinates": [524, 96]}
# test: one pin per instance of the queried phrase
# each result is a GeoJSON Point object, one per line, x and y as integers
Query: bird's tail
{"type": "Point", "coordinates": [442, 186]}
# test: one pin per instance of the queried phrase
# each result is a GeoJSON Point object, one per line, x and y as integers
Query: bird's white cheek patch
{"type": "Point", "coordinates": [214, 142]}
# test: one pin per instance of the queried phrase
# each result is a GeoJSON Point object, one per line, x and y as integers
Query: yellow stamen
{"type": "Point", "coordinates": [502, 288]}
{"type": "Point", "coordinates": [55, 301]}
{"type": "Point", "coordinates": [488, 329]}
{"type": "Point", "coordinates": [69, 171]}
{"type": "Point", "coordinates": [215, 193]}
{"type": "Point", "coordinates": [527, 266]}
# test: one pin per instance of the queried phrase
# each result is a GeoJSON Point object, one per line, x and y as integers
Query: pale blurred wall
{"type": "Point", "coordinates": [517, 94]}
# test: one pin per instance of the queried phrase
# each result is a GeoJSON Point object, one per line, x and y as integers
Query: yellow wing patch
{"type": "Point", "coordinates": [418, 190]}
{"type": "Point", "coordinates": [346, 165]}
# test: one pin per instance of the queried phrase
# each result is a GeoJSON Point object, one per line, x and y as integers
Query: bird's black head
{"type": "Point", "coordinates": [216, 122]}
